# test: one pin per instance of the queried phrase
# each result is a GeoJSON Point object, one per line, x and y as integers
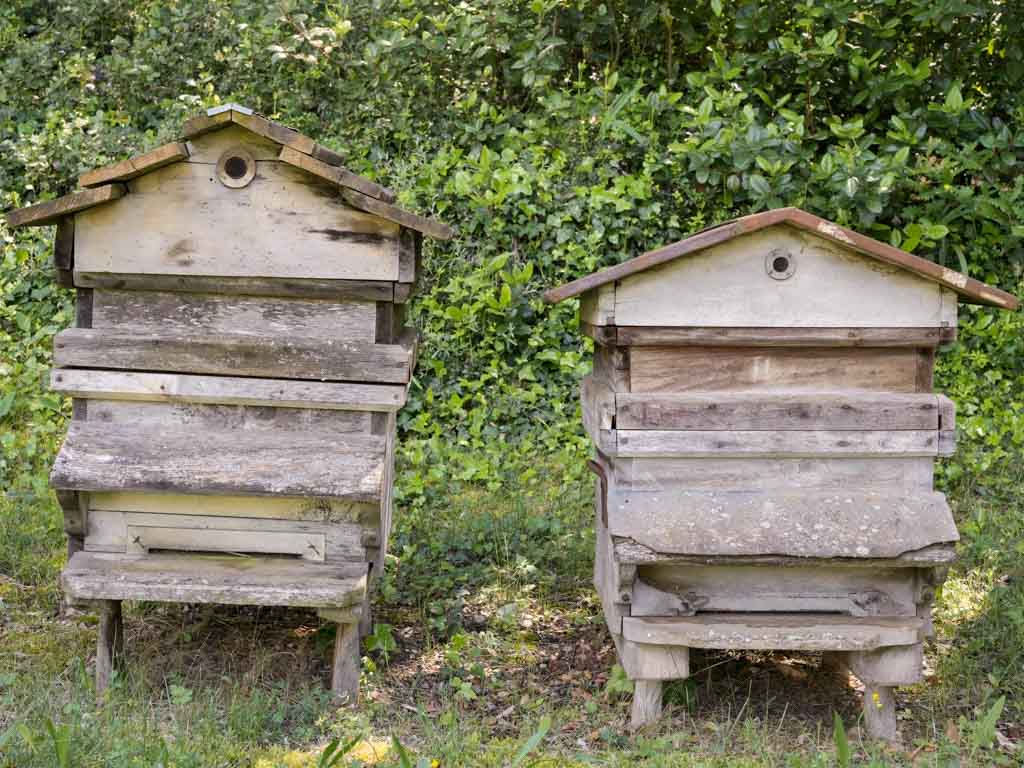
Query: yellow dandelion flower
{"type": "Point", "coordinates": [876, 699]}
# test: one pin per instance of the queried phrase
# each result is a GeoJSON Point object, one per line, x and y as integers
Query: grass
{"type": "Point", "coordinates": [490, 626]}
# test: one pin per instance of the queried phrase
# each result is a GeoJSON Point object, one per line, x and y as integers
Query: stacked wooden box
{"type": "Point", "coordinates": [765, 429]}
{"type": "Point", "coordinates": [236, 364]}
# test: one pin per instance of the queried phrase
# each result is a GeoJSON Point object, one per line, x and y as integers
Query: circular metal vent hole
{"type": "Point", "coordinates": [779, 264]}
{"type": "Point", "coordinates": [236, 167]}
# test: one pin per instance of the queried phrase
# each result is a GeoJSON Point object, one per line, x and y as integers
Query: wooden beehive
{"type": "Point", "coordinates": [765, 429]}
{"type": "Point", "coordinates": [236, 364]}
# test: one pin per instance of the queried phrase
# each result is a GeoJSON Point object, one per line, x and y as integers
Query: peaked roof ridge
{"type": "Point", "coordinates": [973, 291]}
{"type": "Point", "coordinates": [104, 184]}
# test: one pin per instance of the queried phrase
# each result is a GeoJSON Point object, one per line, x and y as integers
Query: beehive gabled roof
{"type": "Point", "coordinates": [971, 290]}
{"type": "Point", "coordinates": [105, 184]}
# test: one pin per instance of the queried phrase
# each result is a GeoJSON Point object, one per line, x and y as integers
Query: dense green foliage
{"type": "Point", "coordinates": [558, 136]}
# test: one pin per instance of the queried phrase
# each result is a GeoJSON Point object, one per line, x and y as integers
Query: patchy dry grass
{"type": "Point", "coordinates": [482, 652]}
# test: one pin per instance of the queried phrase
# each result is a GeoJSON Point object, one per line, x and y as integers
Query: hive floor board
{"type": "Point", "coordinates": [778, 631]}
{"type": "Point", "coordinates": [628, 552]}
{"type": "Point", "coordinates": [225, 579]}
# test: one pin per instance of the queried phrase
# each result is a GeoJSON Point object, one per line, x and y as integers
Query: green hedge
{"type": "Point", "coordinates": [558, 137]}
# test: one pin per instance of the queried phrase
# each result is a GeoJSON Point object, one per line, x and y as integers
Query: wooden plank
{"type": "Point", "coordinates": [783, 632]}
{"type": "Point", "coordinates": [201, 124]}
{"type": "Point", "coordinates": [727, 411]}
{"type": "Point", "coordinates": [831, 287]}
{"type": "Point", "coordinates": [845, 239]}
{"type": "Point", "coordinates": [820, 525]}
{"type": "Point", "coordinates": [214, 579]}
{"type": "Point", "coordinates": [64, 252]}
{"type": "Point", "coordinates": [598, 405]}
{"type": "Point", "coordinates": [774, 443]}
{"type": "Point", "coordinates": [135, 166]}
{"type": "Point", "coordinates": [180, 220]}
{"type": "Point", "coordinates": [156, 312]}
{"type": "Point", "coordinates": [611, 365]}
{"type": "Point", "coordinates": [52, 211]}
{"type": "Point", "coordinates": [208, 148]}
{"type": "Point", "coordinates": [652, 662]}
{"type": "Point", "coordinates": [896, 475]}
{"type": "Point", "coordinates": [300, 288]}
{"type": "Point", "coordinates": [184, 388]}
{"type": "Point", "coordinates": [97, 457]}
{"type": "Point", "coordinates": [430, 227]}
{"type": "Point", "coordinates": [329, 156]}
{"type": "Point", "coordinates": [631, 553]}
{"type": "Point", "coordinates": [635, 335]}
{"type": "Point", "coordinates": [268, 129]}
{"type": "Point", "coordinates": [267, 507]}
{"type": "Point", "coordinates": [901, 665]}
{"type": "Point", "coordinates": [234, 355]}
{"type": "Point", "coordinates": [598, 307]}
{"type": "Point", "coordinates": [787, 589]}
{"type": "Point", "coordinates": [335, 174]}
{"type": "Point", "coordinates": [925, 369]}
{"type": "Point", "coordinates": [241, 418]}
{"type": "Point", "coordinates": [743, 369]}
{"type": "Point", "coordinates": [605, 335]}
{"type": "Point", "coordinates": [409, 247]}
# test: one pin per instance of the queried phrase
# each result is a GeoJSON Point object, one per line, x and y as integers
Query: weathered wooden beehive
{"type": "Point", "coordinates": [765, 430]}
{"type": "Point", "coordinates": [236, 366]}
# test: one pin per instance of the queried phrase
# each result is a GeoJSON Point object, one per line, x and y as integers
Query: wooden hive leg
{"type": "Point", "coordinates": [646, 702]}
{"type": "Point", "coordinates": [345, 672]}
{"type": "Point", "coordinates": [366, 619]}
{"type": "Point", "coordinates": [880, 711]}
{"type": "Point", "coordinates": [109, 643]}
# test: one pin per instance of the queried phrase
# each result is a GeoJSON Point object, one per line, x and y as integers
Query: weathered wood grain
{"type": "Point", "coordinates": [598, 405]}
{"type": "Point", "coordinates": [52, 211]}
{"type": "Point", "coordinates": [770, 411]}
{"type": "Point", "coordinates": [629, 552]}
{"type": "Point", "coordinates": [783, 632]}
{"type": "Point", "coordinates": [818, 588]}
{"type": "Point", "coordinates": [202, 124]}
{"type": "Point", "coordinates": [208, 148]}
{"type": "Point", "coordinates": [180, 220]}
{"type": "Point", "coordinates": [274, 131]}
{"type": "Point", "coordinates": [335, 174]}
{"type": "Point", "coordinates": [157, 312]}
{"type": "Point", "coordinates": [718, 369]}
{"type": "Point", "coordinates": [346, 665]}
{"type": "Point", "coordinates": [109, 644]}
{"type": "Point", "coordinates": [135, 166]}
{"type": "Point", "coordinates": [310, 509]}
{"type": "Point", "coordinates": [430, 227]}
{"type": "Point", "coordinates": [822, 525]}
{"type": "Point", "coordinates": [232, 580]}
{"type": "Point", "coordinates": [845, 239]}
{"type": "Point", "coordinates": [899, 665]}
{"type": "Point", "coordinates": [597, 308]}
{"type": "Point", "coordinates": [652, 662]}
{"type": "Point", "coordinates": [772, 443]}
{"type": "Point", "coordinates": [262, 356]}
{"type": "Point", "coordinates": [710, 336]}
{"type": "Point", "coordinates": [832, 286]}
{"type": "Point", "coordinates": [114, 458]}
{"type": "Point", "coordinates": [300, 288]}
{"type": "Point", "coordinates": [895, 475]}
{"type": "Point", "coordinates": [646, 707]}
{"type": "Point", "coordinates": [64, 251]}
{"type": "Point", "coordinates": [143, 539]}
{"type": "Point", "coordinates": [184, 388]}
{"type": "Point", "coordinates": [244, 419]}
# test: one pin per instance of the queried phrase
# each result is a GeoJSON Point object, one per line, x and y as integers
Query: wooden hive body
{"type": "Point", "coordinates": [765, 430]}
{"type": "Point", "coordinates": [236, 364]}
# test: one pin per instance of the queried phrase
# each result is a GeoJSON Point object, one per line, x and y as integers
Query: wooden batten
{"type": "Point", "coordinates": [53, 211]}
{"type": "Point", "coordinates": [429, 227]}
{"type": "Point", "coordinates": [335, 174]}
{"type": "Point", "coordinates": [135, 166]}
{"type": "Point", "coordinates": [703, 336]}
{"type": "Point", "coordinates": [298, 288]}
{"type": "Point", "coordinates": [226, 390]}
{"type": "Point", "coordinates": [234, 354]}
{"type": "Point", "coordinates": [64, 252]}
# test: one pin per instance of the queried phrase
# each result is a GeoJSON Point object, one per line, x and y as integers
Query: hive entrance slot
{"type": "Point", "coordinates": [223, 553]}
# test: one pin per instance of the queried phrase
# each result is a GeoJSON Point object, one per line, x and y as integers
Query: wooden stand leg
{"type": "Point", "coordinates": [646, 702]}
{"type": "Point", "coordinates": [880, 711]}
{"type": "Point", "coordinates": [366, 619]}
{"type": "Point", "coordinates": [345, 674]}
{"type": "Point", "coordinates": [109, 643]}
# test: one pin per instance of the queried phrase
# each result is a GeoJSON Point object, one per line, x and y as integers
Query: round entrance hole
{"type": "Point", "coordinates": [235, 167]}
{"type": "Point", "coordinates": [779, 263]}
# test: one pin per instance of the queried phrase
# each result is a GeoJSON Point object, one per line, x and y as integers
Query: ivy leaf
{"type": "Point", "coordinates": [954, 99]}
